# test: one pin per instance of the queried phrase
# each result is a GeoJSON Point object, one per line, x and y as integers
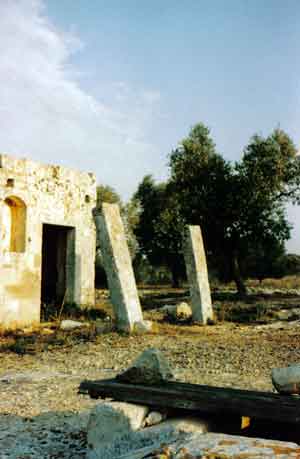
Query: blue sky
{"type": "Point", "coordinates": [112, 86]}
{"type": "Point", "coordinates": [231, 64]}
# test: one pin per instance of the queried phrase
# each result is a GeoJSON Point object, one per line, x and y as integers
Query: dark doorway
{"type": "Point", "coordinates": [58, 264]}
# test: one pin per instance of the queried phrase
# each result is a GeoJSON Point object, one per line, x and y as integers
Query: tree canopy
{"type": "Point", "coordinates": [160, 225]}
{"type": "Point", "coordinates": [239, 206]}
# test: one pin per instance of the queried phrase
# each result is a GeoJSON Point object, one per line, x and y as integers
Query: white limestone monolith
{"type": "Point", "coordinates": [196, 268]}
{"type": "Point", "coordinates": [118, 267]}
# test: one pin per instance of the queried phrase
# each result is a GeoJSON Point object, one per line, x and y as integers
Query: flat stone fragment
{"type": "Point", "coordinates": [196, 268]}
{"type": "Point", "coordinates": [151, 367]}
{"type": "Point", "coordinates": [212, 445]}
{"type": "Point", "coordinates": [287, 380]}
{"type": "Point", "coordinates": [72, 324]}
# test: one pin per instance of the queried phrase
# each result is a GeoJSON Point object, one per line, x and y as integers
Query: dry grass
{"type": "Point", "coordinates": [257, 308]}
{"type": "Point", "coordinates": [287, 282]}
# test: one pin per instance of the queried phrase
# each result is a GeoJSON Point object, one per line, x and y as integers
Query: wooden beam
{"type": "Point", "coordinates": [193, 397]}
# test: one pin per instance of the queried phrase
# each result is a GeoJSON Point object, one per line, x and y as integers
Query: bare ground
{"type": "Point", "coordinates": [42, 415]}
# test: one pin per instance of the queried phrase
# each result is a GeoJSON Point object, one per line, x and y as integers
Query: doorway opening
{"type": "Point", "coordinates": [58, 265]}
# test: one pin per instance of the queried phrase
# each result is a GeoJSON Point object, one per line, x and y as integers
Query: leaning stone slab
{"type": "Point", "coordinates": [287, 380]}
{"type": "Point", "coordinates": [118, 267]}
{"type": "Point", "coordinates": [196, 268]}
{"type": "Point", "coordinates": [151, 367]}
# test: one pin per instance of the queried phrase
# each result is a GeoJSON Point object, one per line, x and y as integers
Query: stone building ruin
{"type": "Point", "coordinates": [47, 238]}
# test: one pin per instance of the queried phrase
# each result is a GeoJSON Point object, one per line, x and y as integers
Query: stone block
{"type": "Point", "coordinates": [178, 312]}
{"type": "Point", "coordinates": [131, 443]}
{"type": "Point", "coordinates": [287, 380]}
{"type": "Point", "coordinates": [110, 424]}
{"type": "Point", "coordinates": [151, 367]}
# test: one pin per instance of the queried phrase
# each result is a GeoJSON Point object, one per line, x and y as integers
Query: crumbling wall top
{"type": "Point", "coordinates": [24, 166]}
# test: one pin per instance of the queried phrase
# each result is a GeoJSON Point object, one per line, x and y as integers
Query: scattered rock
{"type": "Point", "coordinates": [151, 367]}
{"type": "Point", "coordinates": [154, 418]}
{"type": "Point", "coordinates": [178, 312]}
{"type": "Point", "coordinates": [287, 314]}
{"type": "Point", "coordinates": [72, 324]}
{"type": "Point", "coordinates": [142, 327]}
{"type": "Point", "coordinates": [280, 325]}
{"type": "Point", "coordinates": [284, 314]}
{"type": "Point", "coordinates": [287, 380]}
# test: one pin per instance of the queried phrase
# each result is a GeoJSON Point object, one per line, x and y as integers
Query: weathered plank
{"type": "Point", "coordinates": [206, 399]}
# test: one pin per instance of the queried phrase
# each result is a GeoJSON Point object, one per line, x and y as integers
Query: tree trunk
{"type": "Point", "coordinates": [237, 277]}
{"type": "Point", "coordinates": [175, 277]}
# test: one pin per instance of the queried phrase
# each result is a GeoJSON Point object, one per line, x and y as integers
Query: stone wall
{"type": "Point", "coordinates": [33, 198]}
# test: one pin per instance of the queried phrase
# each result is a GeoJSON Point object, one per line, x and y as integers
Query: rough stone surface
{"type": "Point", "coordinates": [178, 312]}
{"type": "Point", "coordinates": [127, 442]}
{"type": "Point", "coordinates": [118, 267]}
{"type": "Point", "coordinates": [195, 260]}
{"type": "Point", "coordinates": [287, 380]}
{"type": "Point", "coordinates": [111, 422]}
{"type": "Point", "coordinates": [151, 367]}
{"type": "Point", "coordinates": [72, 324]}
{"type": "Point", "coordinates": [213, 445]}
{"type": "Point", "coordinates": [32, 195]}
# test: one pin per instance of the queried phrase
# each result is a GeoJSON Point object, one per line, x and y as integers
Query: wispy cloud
{"type": "Point", "coordinates": [46, 115]}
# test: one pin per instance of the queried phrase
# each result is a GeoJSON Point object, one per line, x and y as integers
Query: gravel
{"type": "Point", "coordinates": [43, 416]}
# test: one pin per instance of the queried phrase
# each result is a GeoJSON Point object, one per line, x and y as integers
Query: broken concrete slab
{"type": "Point", "coordinates": [196, 268]}
{"type": "Point", "coordinates": [129, 442]}
{"type": "Point", "coordinates": [118, 267]}
{"type": "Point", "coordinates": [109, 423]}
{"type": "Point", "coordinates": [151, 367]}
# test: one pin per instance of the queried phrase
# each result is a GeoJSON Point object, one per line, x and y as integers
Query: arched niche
{"type": "Point", "coordinates": [14, 222]}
